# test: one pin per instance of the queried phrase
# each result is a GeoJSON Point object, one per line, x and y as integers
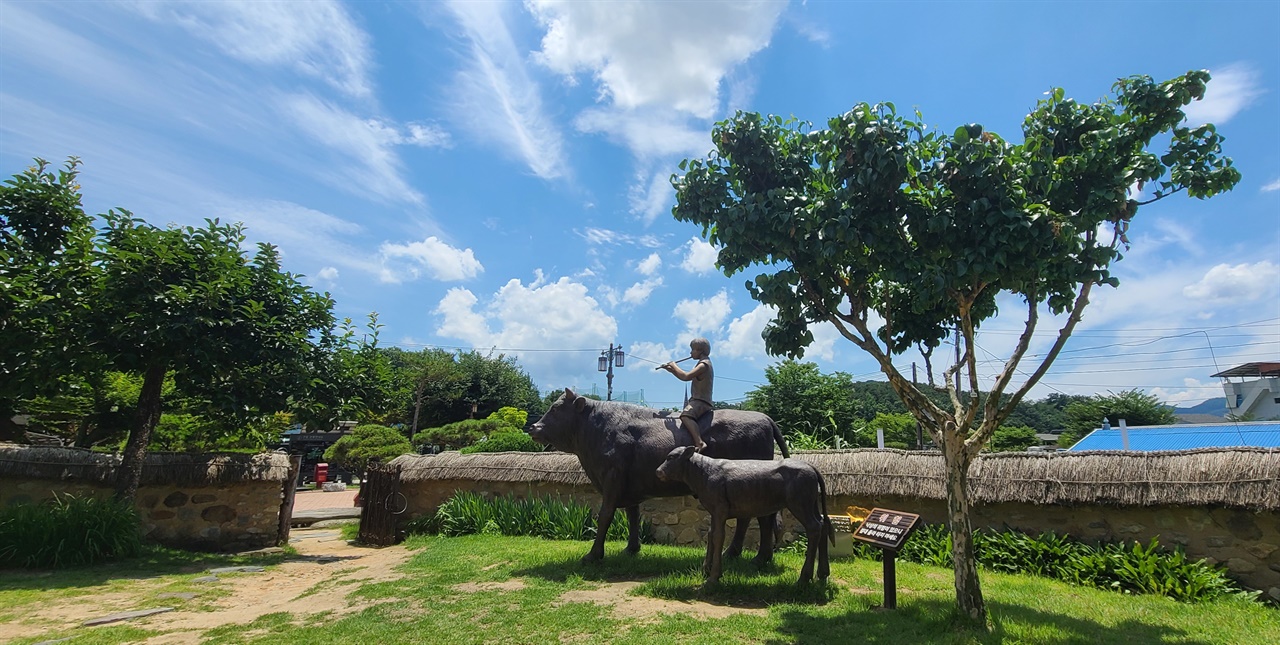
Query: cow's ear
{"type": "Point", "coordinates": [689, 452]}
{"type": "Point", "coordinates": [580, 403]}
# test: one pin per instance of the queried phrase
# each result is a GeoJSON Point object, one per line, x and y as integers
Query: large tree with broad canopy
{"type": "Point", "coordinates": [898, 235]}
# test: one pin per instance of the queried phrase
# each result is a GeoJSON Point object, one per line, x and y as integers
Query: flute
{"type": "Point", "coordinates": [674, 362]}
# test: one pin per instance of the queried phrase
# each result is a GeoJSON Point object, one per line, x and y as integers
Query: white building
{"type": "Point", "coordinates": [1255, 395]}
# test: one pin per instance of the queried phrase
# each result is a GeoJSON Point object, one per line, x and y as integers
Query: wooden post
{"type": "Point", "coordinates": [890, 579]}
{"type": "Point", "coordinates": [286, 506]}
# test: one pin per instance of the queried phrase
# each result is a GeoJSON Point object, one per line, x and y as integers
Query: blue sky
{"type": "Point", "coordinates": [494, 175]}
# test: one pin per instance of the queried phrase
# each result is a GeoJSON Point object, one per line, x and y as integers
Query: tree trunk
{"type": "Point", "coordinates": [417, 407]}
{"type": "Point", "coordinates": [135, 450]}
{"type": "Point", "coordinates": [963, 553]}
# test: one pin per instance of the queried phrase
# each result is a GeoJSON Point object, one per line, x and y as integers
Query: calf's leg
{"type": "Point", "coordinates": [715, 541]}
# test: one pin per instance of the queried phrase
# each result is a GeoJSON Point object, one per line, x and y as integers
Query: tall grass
{"type": "Point", "coordinates": [548, 517]}
{"type": "Point", "coordinates": [68, 531]}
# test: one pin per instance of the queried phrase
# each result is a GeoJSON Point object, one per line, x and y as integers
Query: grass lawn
{"type": "Point", "coordinates": [490, 589]}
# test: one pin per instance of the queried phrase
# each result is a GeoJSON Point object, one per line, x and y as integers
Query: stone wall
{"type": "Point", "coordinates": [223, 517]}
{"type": "Point", "coordinates": [1246, 542]}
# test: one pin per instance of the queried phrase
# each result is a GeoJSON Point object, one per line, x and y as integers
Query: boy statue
{"type": "Point", "coordinates": [701, 374]}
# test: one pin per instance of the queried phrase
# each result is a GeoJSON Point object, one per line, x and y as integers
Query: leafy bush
{"type": "Point", "coordinates": [1012, 438]}
{"type": "Point", "coordinates": [547, 517]}
{"type": "Point", "coordinates": [511, 441]}
{"type": "Point", "coordinates": [461, 434]}
{"type": "Point", "coordinates": [68, 531]}
{"type": "Point", "coordinates": [1129, 567]}
{"type": "Point", "coordinates": [514, 417]}
{"type": "Point", "coordinates": [367, 443]}
{"type": "Point", "coordinates": [801, 440]}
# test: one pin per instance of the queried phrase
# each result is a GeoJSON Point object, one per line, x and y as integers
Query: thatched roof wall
{"type": "Point", "coordinates": [1238, 477]}
{"type": "Point", "coordinates": [553, 467]}
{"type": "Point", "coordinates": [200, 469]}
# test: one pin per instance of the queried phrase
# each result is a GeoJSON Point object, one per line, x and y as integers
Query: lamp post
{"type": "Point", "coordinates": [610, 358]}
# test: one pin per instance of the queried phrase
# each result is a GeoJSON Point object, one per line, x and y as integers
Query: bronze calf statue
{"type": "Point", "coordinates": [746, 488]}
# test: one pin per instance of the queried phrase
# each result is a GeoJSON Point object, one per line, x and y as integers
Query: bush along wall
{"type": "Point", "coordinates": [1128, 567]}
{"type": "Point", "coordinates": [552, 518]}
{"type": "Point", "coordinates": [68, 531]}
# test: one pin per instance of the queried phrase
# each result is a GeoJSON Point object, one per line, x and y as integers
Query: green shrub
{"type": "Point", "coordinates": [367, 443]}
{"type": "Point", "coordinates": [547, 517]}
{"type": "Point", "coordinates": [505, 442]}
{"type": "Point", "coordinates": [1129, 567]}
{"type": "Point", "coordinates": [461, 434]}
{"type": "Point", "coordinates": [68, 531]}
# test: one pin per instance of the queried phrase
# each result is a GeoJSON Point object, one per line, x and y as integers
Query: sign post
{"type": "Point", "coordinates": [888, 530]}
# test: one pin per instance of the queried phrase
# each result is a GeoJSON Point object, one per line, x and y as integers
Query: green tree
{"type": "Point", "coordinates": [1012, 439]}
{"type": "Point", "coordinates": [801, 399]}
{"type": "Point", "coordinates": [367, 443]}
{"type": "Point", "coordinates": [899, 430]}
{"type": "Point", "coordinates": [877, 214]}
{"type": "Point", "coordinates": [188, 302]}
{"type": "Point", "coordinates": [46, 274]}
{"type": "Point", "coordinates": [430, 380]}
{"type": "Point", "coordinates": [351, 378]}
{"type": "Point", "coordinates": [1134, 406]}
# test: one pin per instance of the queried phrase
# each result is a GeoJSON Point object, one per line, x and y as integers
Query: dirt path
{"type": "Point", "coordinates": [317, 582]}
{"type": "Point", "coordinates": [320, 580]}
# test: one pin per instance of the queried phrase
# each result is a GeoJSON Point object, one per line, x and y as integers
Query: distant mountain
{"type": "Point", "coordinates": [1213, 407]}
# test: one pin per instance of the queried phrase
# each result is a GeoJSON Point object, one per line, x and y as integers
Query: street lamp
{"type": "Point", "coordinates": [610, 358]}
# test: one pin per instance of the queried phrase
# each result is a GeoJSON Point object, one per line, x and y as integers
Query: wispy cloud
{"type": "Point", "coordinates": [317, 38]}
{"type": "Point", "coordinates": [604, 236]}
{"type": "Point", "coordinates": [497, 98]}
{"type": "Point", "coordinates": [366, 142]}
{"type": "Point", "coordinates": [1273, 186]}
{"type": "Point", "coordinates": [439, 260]}
{"type": "Point", "coordinates": [1232, 89]}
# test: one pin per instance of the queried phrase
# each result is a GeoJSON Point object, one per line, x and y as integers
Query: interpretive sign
{"type": "Point", "coordinates": [885, 528]}
{"type": "Point", "coordinates": [888, 530]}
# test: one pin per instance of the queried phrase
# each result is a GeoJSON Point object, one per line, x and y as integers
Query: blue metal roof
{"type": "Point", "coordinates": [1185, 436]}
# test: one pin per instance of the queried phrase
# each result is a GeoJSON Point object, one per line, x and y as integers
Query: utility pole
{"type": "Point", "coordinates": [608, 360]}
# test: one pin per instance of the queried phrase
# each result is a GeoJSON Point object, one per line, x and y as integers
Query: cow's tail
{"type": "Point", "coordinates": [827, 528]}
{"type": "Point", "coordinates": [778, 439]}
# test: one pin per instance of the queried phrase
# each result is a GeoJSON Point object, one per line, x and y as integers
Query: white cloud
{"type": "Point", "coordinates": [700, 256]}
{"type": "Point", "coordinates": [811, 31]}
{"type": "Point", "coordinates": [555, 316]}
{"type": "Point", "coordinates": [647, 133]}
{"type": "Point", "coordinates": [645, 355]}
{"type": "Point", "coordinates": [426, 135]}
{"type": "Point", "coordinates": [495, 96]}
{"type": "Point", "coordinates": [366, 160]}
{"type": "Point", "coordinates": [328, 274]}
{"type": "Point", "coordinates": [650, 265]}
{"type": "Point", "coordinates": [703, 316]}
{"type": "Point", "coordinates": [1232, 89]}
{"type": "Point", "coordinates": [666, 54]}
{"type": "Point", "coordinates": [1192, 392]}
{"type": "Point", "coordinates": [1237, 284]}
{"type": "Point", "coordinates": [441, 261]}
{"type": "Point", "coordinates": [638, 293]}
{"type": "Point", "coordinates": [317, 38]}
{"type": "Point", "coordinates": [1271, 187]}
{"type": "Point", "coordinates": [744, 338]}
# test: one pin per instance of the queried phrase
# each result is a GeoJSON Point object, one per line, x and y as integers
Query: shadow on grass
{"type": "Point", "coordinates": [679, 577]}
{"type": "Point", "coordinates": [937, 621]}
{"type": "Point", "coordinates": [154, 562]}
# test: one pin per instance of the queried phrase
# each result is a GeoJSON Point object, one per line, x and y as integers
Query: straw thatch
{"type": "Point", "coordinates": [531, 467]}
{"type": "Point", "coordinates": [1236, 477]}
{"type": "Point", "coordinates": [186, 469]}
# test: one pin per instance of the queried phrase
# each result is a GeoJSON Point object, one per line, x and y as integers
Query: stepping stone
{"type": "Point", "coordinates": [186, 595]}
{"type": "Point", "coordinates": [126, 615]}
{"type": "Point", "coordinates": [205, 579]}
{"type": "Point", "coordinates": [271, 550]}
{"type": "Point", "coordinates": [60, 640]}
{"type": "Point", "coordinates": [237, 570]}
